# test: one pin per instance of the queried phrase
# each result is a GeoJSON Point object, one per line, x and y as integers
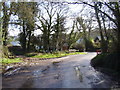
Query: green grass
{"type": "Point", "coordinates": [55, 55]}
{"type": "Point", "coordinates": [47, 55]}
{"type": "Point", "coordinates": [107, 60]}
{"type": "Point", "coordinates": [8, 61]}
{"type": "Point", "coordinates": [98, 60]}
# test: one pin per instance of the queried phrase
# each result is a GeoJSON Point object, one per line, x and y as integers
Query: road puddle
{"type": "Point", "coordinates": [74, 72]}
{"type": "Point", "coordinates": [56, 76]}
{"type": "Point", "coordinates": [78, 73]}
{"type": "Point", "coordinates": [11, 71]}
{"type": "Point", "coordinates": [45, 69]}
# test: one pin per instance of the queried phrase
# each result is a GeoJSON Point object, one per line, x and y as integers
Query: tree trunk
{"type": "Point", "coordinates": [117, 15]}
{"type": "Point", "coordinates": [6, 16]}
{"type": "Point", "coordinates": [5, 25]}
{"type": "Point", "coordinates": [103, 47]}
{"type": "Point", "coordinates": [29, 39]}
{"type": "Point", "coordinates": [45, 41]}
{"type": "Point", "coordinates": [118, 37]}
{"type": "Point", "coordinates": [107, 39]}
{"type": "Point", "coordinates": [24, 37]}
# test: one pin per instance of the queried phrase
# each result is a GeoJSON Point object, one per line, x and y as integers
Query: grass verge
{"type": "Point", "coordinates": [56, 55]}
{"type": "Point", "coordinates": [9, 61]}
{"type": "Point", "coordinates": [109, 61]}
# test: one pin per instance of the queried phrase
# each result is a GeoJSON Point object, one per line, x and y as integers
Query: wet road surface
{"type": "Point", "coordinates": [73, 71]}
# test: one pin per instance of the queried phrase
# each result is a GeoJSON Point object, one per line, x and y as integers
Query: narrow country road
{"type": "Point", "coordinates": [73, 71]}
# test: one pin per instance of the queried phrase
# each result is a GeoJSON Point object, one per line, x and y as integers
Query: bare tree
{"type": "Point", "coordinates": [52, 21]}
{"type": "Point", "coordinates": [46, 18]}
{"type": "Point", "coordinates": [59, 27]}
{"type": "Point", "coordinates": [73, 36]}
{"type": "Point", "coordinates": [103, 46]}
{"type": "Point", "coordinates": [114, 8]}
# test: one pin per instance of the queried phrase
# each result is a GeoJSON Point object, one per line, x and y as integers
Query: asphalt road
{"type": "Point", "coordinates": [73, 71]}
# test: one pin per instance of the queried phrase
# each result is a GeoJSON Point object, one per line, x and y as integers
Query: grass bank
{"type": "Point", "coordinates": [53, 55]}
{"type": "Point", "coordinates": [9, 61]}
{"type": "Point", "coordinates": [108, 61]}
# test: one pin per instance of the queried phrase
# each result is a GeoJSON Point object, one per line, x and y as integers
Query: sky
{"type": "Point", "coordinates": [74, 9]}
{"type": "Point", "coordinates": [73, 12]}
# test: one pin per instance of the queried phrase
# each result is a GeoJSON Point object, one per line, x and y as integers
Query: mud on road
{"type": "Point", "coordinates": [73, 71]}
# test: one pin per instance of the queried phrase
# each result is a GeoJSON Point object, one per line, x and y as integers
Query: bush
{"type": "Point", "coordinates": [79, 47]}
{"type": "Point", "coordinates": [89, 45]}
{"type": "Point", "coordinates": [16, 50]}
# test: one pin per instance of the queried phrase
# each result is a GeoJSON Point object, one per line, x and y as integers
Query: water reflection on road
{"type": "Point", "coordinates": [71, 72]}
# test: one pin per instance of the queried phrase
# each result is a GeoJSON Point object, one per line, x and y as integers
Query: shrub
{"type": "Point", "coordinates": [89, 45]}
{"type": "Point", "coordinates": [79, 47]}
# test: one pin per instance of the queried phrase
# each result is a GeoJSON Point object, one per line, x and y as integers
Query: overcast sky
{"type": "Point", "coordinates": [74, 11]}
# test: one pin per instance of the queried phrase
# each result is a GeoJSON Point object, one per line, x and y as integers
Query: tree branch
{"type": "Point", "coordinates": [102, 12]}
